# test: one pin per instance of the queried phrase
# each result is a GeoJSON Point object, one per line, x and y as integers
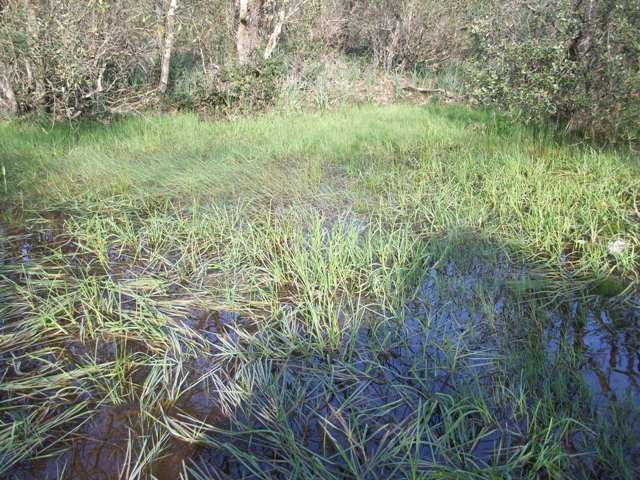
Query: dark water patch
{"type": "Point", "coordinates": [198, 404]}
{"type": "Point", "coordinates": [98, 451]}
{"type": "Point", "coordinates": [107, 445]}
{"type": "Point", "coordinates": [38, 238]}
{"type": "Point", "coordinates": [99, 350]}
{"type": "Point", "coordinates": [608, 347]}
{"type": "Point", "coordinates": [54, 467]}
{"type": "Point", "coordinates": [104, 445]}
{"type": "Point", "coordinates": [612, 357]}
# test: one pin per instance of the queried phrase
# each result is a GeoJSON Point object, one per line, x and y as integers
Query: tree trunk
{"type": "Point", "coordinates": [284, 14]}
{"type": "Point", "coordinates": [8, 96]}
{"type": "Point", "coordinates": [35, 76]}
{"type": "Point", "coordinates": [390, 54]}
{"type": "Point", "coordinates": [275, 35]}
{"type": "Point", "coordinates": [248, 21]}
{"type": "Point", "coordinates": [169, 38]}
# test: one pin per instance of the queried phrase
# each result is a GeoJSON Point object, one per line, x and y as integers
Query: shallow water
{"type": "Point", "coordinates": [612, 366]}
{"type": "Point", "coordinates": [609, 353]}
{"type": "Point", "coordinates": [387, 366]}
{"type": "Point", "coordinates": [102, 444]}
{"type": "Point", "coordinates": [391, 367]}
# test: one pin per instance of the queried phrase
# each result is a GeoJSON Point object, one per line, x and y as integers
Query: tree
{"type": "Point", "coordinates": [169, 39]}
{"type": "Point", "coordinates": [284, 13]}
{"type": "Point", "coordinates": [8, 98]}
{"type": "Point", "coordinates": [249, 15]}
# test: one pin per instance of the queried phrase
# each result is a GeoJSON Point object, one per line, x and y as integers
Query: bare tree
{"type": "Point", "coordinates": [169, 39]}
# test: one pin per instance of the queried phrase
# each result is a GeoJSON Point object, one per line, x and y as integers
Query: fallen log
{"type": "Point", "coordinates": [431, 91]}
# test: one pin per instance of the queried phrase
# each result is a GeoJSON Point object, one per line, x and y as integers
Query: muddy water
{"type": "Point", "coordinates": [100, 452]}
{"type": "Point", "coordinates": [101, 447]}
{"type": "Point", "coordinates": [105, 443]}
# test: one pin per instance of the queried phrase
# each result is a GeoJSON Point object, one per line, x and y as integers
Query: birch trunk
{"type": "Point", "coordinates": [8, 96]}
{"type": "Point", "coordinates": [275, 35]}
{"type": "Point", "coordinates": [169, 39]}
{"type": "Point", "coordinates": [284, 14]}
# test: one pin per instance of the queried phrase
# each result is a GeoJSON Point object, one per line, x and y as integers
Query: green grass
{"type": "Point", "coordinates": [351, 294]}
{"type": "Point", "coordinates": [440, 168]}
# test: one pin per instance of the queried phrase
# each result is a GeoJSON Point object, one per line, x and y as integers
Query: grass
{"type": "Point", "coordinates": [359, 293]}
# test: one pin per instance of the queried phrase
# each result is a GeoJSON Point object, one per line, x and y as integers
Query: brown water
{"type": "Point", "coordinates": [106, 441]}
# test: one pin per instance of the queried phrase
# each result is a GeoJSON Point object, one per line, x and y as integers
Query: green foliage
{"type": "Point", "coordinates": [531, 78]}
{"type": "Point", "coordinates": [574, 64]}
{"type": "Point", "coordinates": [251, 87]}
{"type": "Point", "coordinates": [232, 88]}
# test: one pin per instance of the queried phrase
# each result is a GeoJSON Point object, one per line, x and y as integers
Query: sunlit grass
{"type": "Point", "coordinates": [441, 168]}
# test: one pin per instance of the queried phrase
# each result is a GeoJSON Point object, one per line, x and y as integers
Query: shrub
{"type": "Point", "coordinates": [577, 64]}
{"type": "Point", "coordinates": [231, 88]}
{"type": "Point", "coordinates": [72, 58]}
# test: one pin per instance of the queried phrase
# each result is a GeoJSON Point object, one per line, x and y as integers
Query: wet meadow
{"type": "Point", "coordinates": [373, 292]}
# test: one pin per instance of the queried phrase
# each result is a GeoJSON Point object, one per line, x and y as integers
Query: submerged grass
{"type": "Point", "coordinates": [399, 292]}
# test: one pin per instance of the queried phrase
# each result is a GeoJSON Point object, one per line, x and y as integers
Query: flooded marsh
{"type": "Point", "coordinates": [408, 300]}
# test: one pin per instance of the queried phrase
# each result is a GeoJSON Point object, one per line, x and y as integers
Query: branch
{"type": "Point", "coordinates": [432, 91]}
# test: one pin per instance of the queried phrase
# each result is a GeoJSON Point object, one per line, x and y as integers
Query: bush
{"type": "Point", "coordinates": [232, 88]}
{"type": "Point", "coordinates": [576, 64]}
{"type": "Point", "coordinates": [72, 58]}
{"type": "Point", "coordinates": [251, 87]}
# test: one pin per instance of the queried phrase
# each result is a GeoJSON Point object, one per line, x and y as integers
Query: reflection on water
{"type": "Point", "coordinates": [389, 369]}
{"type": "Point", "coordinates": [608, 351]}
{"type": "Point", "coordinates": [611, 367]}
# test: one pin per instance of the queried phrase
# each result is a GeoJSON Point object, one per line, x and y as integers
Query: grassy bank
{"type": "Point", "coordinates": [400, 292]}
